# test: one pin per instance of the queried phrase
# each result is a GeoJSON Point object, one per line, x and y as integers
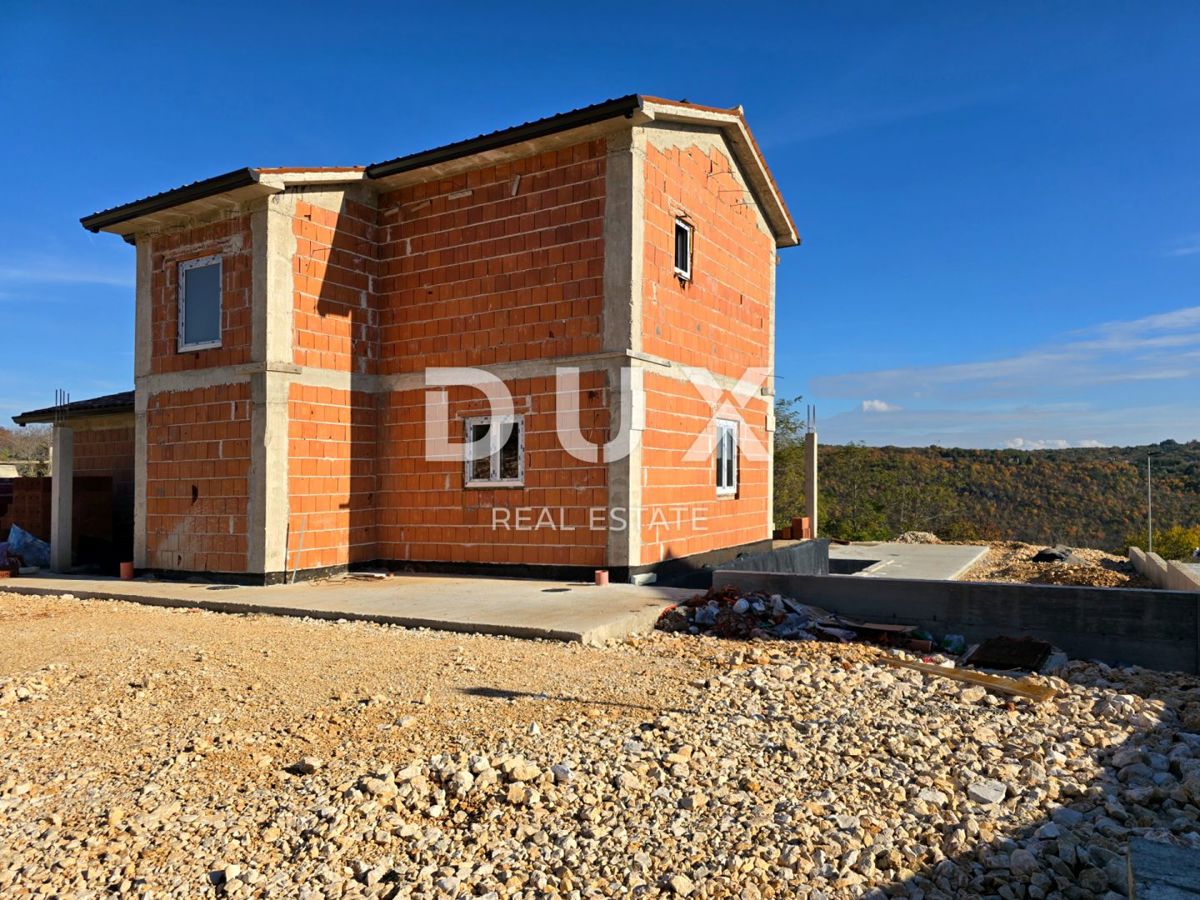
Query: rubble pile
{"type": "Point", "coordinates": [730, 613]}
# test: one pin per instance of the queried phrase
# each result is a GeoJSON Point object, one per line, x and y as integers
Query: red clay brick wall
{"type": "Point", "coordinates": [229, 239]}
{"type": "Point", "coordinates": [30, 508]}
{"type": "Point", "coordinates": [197, 488]}
{"type": "Point", "coordinates": [331, 477]}
{"type": "Point", "coordinates": [494, 265]}
{"type": "Point", "coordinates": [675, 414]}
{"type": "Point", "coordinates": [336, 317]}
{"type": "Point", "coordinates": [426, 514]}
{"type": "Point", "coordinates": [107, 451]}
{"type": "Point", "coordinates": [721, 318]}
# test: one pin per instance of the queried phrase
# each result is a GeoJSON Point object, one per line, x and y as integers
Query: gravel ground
{"type": "Point", "coordinates": [1013, 561]}
{"type": "Point", "coordinates": [179, 753]}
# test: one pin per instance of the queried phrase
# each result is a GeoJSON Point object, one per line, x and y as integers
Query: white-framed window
{"type": "Point", "coordinates": [683, 249]}
{"type": "Point", "coordinates": [726, 455]}
{"type": "Point", "coordinates": [200, 303]}
{"type": "Point", "coordinates": [495, 451]}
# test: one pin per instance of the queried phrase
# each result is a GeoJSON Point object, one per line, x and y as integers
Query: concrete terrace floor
{"type": "Point", "coordinates": [565, 611]}
{"type": "Point", "coordinates": [930, 562]}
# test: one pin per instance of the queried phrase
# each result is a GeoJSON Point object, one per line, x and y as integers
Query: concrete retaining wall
{"type": "Point", "coordinates": [1156, 629]}
{"type": "Point", "coordinates": [804, 558]}
{"type": "Point", "coordinates": [1172, 576]}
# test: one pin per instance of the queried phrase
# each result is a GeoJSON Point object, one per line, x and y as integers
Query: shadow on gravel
{"type": "Point", "coordinates": [1148, 787]}
{"type": "Point", "coordinates": [491, 693]}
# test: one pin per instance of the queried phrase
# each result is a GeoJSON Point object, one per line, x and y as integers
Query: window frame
{"type": "Point", "coordinates": [187, 265]}
{"type": "Point", "coordinates": [494, 480]}
{"type": "Point", "coordinates": [730, 427]}
{"type": "Point", "coordinates": [690, 229]}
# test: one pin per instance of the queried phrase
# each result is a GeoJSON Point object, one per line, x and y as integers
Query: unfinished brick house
{"type": "Point", "coordinates": [286, 319]}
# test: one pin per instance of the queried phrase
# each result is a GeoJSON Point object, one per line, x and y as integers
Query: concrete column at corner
{"type": "Point", "coordinates": [140, 447]}
{"type": "Point", "coordinates": [273, 243]}
{"type": "Point", "coordinates": [274, 248]}
{"type": "Point", "coordinates": [810, 480]}
{"type": "Point", "coordinates": [143, 349]}
{"type": "Point", "coordinates": [268, 510]}
{"type": "Point", "coordinates": [628, 393]}
{"type": "Point", "coordinates": [61, 498]}
{"type": "Point", "coordinates": [624, 240]}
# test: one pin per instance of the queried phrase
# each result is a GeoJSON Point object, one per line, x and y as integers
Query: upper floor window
{"type": "Point", "coordinates": [200, 303]}
{"type": "Point", "coordinates": [495, 451]}
{"type": "Point", "coordinates": [683, 249]}
{"type": "Point", "coordinates": [727, 468]}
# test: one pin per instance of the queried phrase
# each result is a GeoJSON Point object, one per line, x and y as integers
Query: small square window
{"type": "Point", "coordinates": [683, 249]}
{"type": "Point", "coordinates": [200, 303]}
{"type": "Point", "coordinates": [726, 457]}
{"type": "Point", "coordinates": [495, 451]}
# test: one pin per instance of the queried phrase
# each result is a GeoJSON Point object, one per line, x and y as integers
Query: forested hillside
{"type": "Point", "coordinates": [1094, 497]}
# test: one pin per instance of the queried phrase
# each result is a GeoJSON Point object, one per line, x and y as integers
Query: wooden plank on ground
{"type": "Point", "coordinates": [1017, 687]}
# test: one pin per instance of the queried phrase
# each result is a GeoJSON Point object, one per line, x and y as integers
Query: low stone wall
{"type": "Point", "coordinates": [1152, 628]}
{"type": "Point", "coordinates": [1169, 575]}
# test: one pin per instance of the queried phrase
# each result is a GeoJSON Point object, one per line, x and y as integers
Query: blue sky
{"type": "Point", "coordinates": [1000, 204]}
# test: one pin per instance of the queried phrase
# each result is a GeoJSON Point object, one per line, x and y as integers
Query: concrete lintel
{"type": "Point", "coordinates": [193, 379]}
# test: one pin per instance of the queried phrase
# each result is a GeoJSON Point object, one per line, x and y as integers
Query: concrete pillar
{"type": "Point", "coordinates": [61, 498]}
{"type": "Point", "coordinates": [810, 480]}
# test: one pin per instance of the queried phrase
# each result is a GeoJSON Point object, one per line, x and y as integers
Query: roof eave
{"type": "Point", "coordinates": [226, 191]}
{"type": "Point", "coordinates": [590, 115]}
{"type": "Point", "coordinates": [733, 125]}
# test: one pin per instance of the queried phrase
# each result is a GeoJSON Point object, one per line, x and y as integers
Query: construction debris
{"type": "Point", "coordinates": [1057, 553]}
{"type": "Point", "coordinates": [26, 549]}
{"type": "Point", "coordinates": [1006, 654]}
{"type": "Point", "coordinates": [728, 613]}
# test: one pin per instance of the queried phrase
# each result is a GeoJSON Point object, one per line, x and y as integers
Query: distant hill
{"type": "Point", "coordinates": [1093, 497]}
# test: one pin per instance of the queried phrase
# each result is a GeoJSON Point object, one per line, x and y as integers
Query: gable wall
{"type": "Point", "coordinates": [720, 321]}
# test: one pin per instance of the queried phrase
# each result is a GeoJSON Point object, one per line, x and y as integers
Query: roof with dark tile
{"type": "Point", "coordinates": [625, 106]}
{"type": "Point", "coordinates": [96, 406]}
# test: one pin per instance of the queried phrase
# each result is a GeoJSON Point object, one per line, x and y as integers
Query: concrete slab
{"type": "Point", "coordinates": [931, 562]}
{"type": "Point", "coordinates": [564, 611]}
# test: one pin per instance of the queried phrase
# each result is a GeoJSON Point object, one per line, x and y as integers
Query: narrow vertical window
{"type": "Point", "coordinates": [496, 451]}
{"type": "Point", "coordinates": [200, 303]}
{"type": "Point", "coordinates": [726, 457]}
{"type": "Point", "coordinates": [683, 250]}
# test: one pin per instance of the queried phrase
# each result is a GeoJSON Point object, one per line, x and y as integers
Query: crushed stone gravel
{"type": "Point", "coordinates": [182, 753]}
